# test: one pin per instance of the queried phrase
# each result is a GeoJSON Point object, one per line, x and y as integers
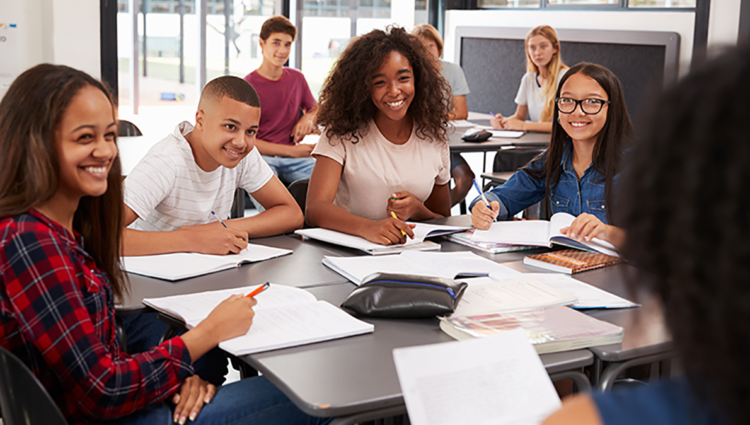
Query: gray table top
{"type": "Point", "coordinates": [530, 139]}
{"type": "Point", "coordinates": [357, 374]}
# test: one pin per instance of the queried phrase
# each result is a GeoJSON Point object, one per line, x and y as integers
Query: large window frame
{"type": "Point", "coordinates": [621, 5]}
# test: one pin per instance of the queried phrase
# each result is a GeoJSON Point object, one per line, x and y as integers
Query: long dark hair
{"type": "Point", "coordinates": [686, 218]}
{"type": "Point", "coordinates": [30, 113]}
{"type": "Point", "coordinates": [616, 133]}
{"type": "Point", "coordinates": [345, 102]}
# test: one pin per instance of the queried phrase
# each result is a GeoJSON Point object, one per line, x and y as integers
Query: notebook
{"type": "Point", "coordinates": [421, 232]}
{"type": "Point", "coordinates": [551, 330]}
{"type": "Point", "coordinates": [519, 293]}
{"type": "Point", "coordinates": [284, 317]}
{"type": "Point", "coordinates": [498, 380]}
{"type": "Point", "coordinates": [450, 265]}
{"type": "Point", "coordinates": [464, 238]}
{"type": "Point", "coordinates": [571, 261]}
{"type": "Point", "coordinates": [588, 296]}
{"type": "Point", "coordinates": [183, 265]}
{"type": "Point", "coordinates": [540, 233]}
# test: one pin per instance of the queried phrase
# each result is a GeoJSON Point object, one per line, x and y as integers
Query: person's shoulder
{"type": "Point", "coordinates": [453, 67]}
{"type": "Point", "coordinates": [293, 73]}
{"type": "Point", "coordinates": [27, 229]}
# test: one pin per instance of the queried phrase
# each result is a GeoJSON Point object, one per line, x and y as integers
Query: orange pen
{"type": "Point", "coordinates": [258, 290]}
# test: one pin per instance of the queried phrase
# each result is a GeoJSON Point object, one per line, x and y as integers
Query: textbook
{"type": "Point", "coordinates": [571, 261]}
{"type": "Point", "coordinates": [551, 329]}
{"type": "Point", "coordinates": [284, 317]}
{"type": "Point", "coordinates": [183, 265]}
{"type": "Point", "coordinates": [540, 233]}
{"type": "Point", "coordinates": [498, 380]}
{"type": "Point", "coordinates": [450, 265]}
{"type": "Point", "coordinates": [421, 232]}
{"type": "Point", "coordinates": [464, 238]}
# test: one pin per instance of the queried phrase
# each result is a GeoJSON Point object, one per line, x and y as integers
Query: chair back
{"type": "Point", "coordinates": [298, 189]}
{"type": "Point", "coordinates": [128, 129]}
{"type": "Point", "coordinates": [22, 398]}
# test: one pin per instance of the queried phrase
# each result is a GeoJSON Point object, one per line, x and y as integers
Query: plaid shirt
{"type": "Point", "coordinates": [57, 315]}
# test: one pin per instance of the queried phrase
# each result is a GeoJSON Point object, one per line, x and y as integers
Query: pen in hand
{"type": "Point", "coordinates": [218, 218]}
{"type": "Point", "coordinates": [481, 194]}
{"type": "Point", "coordinates": [258, 290]}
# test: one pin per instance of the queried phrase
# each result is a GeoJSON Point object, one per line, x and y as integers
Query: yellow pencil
{"type": "Point", "coordinates": [393, 214]}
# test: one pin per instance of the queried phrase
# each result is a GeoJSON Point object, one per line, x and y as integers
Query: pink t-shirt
{"type": "Point", "coordinates": [374, 168]}
{"type": "Point", "coordinates": [280, 104]}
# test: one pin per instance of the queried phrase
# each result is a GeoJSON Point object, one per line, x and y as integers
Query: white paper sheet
{"type": "Point", "coordinates": [498, 380]}
{"type": "Point", "coordinates": [588, 296]}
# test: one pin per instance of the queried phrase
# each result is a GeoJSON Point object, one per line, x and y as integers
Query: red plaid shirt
{"type": "Point", "coordinates": [57, 315]}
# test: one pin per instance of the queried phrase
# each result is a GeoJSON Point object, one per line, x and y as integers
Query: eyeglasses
{"type": "Point", "coordinates": [567, 105]}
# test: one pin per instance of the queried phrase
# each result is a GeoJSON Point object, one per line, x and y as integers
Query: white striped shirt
{"type": "Point", "coordinates": [168, 190]}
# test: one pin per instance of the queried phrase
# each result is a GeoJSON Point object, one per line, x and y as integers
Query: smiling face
{"type": "Point", "coordinates": [580, 126]}
{"type": "Point", "coordinates": [85, 142]}
{"type": "Point", "coordinates": [393, 88]}
{"type": "Point", "coordinates": [276, 48]}
{"type": "Point", "coordinates": [540, 50]}
{"type": "Point", "coordinates": [227, 129]}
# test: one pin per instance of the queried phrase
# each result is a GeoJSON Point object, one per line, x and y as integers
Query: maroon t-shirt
{"type": "Point", "coordinates": [281, 102]}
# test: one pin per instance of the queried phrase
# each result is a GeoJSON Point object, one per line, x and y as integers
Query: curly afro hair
{"type": "Point", "coordinates": [345, 102]}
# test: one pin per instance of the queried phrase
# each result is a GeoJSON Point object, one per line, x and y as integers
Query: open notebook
{"type": "Point", "coordinates": [450, 265]}
{"type": "Point", "coordinates": [284, 317]}
{"type": "Point", "coordinates": [421, 232]}
{"type": "Point", "coordinates": [183, 265]}
{"type": "Point", "coordinates": [540, 233]}
{"type": "Point", "coordinates": [498, 380]}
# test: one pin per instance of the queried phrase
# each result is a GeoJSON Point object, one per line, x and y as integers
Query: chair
{"type": "Point", "coordinates": [128, 129]}
{"type": "Point", "coordinates": [22, 398]}
{"type": "Point", "coordinates": [298, 189]}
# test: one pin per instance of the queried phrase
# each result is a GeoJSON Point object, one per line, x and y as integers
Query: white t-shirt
{"type": "Point", "coordinates": [374, 168]}
{"type": "Point", "coordinates": [530, 94]}
{"type": "Point", "coordinates": [167, 189]}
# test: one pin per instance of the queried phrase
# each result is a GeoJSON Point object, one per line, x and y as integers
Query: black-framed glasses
{"type": "Point", "coordinates": [567, 105]}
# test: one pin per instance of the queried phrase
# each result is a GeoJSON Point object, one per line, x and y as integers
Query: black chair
{"type": "Point", "coordinates": [298, 189]}
{"type": "Point", "coordinates": [22, 398]}
{"type": "Point", "coordinates": [128, 129]}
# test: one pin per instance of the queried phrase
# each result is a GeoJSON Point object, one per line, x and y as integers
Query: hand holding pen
{"type": "Point", "coordinates": [497, 121]}
{"type": "Point", "coordinates": [483, 214]}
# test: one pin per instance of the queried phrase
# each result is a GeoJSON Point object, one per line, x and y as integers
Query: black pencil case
{"type": "Point", "coordinates": [404, 296]}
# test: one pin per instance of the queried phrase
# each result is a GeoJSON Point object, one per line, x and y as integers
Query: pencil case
{"type": "Point", "coordinates": [404, 296]}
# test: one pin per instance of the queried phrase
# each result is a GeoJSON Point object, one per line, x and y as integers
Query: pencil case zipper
{"type": "Point", "coordinates": [427, 285]}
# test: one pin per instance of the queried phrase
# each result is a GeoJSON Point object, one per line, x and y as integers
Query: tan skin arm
{"type": "Point", "coordinates": [321, 212]}
{"type": "Point", "coordinates": [579, 410]}
{"type": "Point", "coordinates": [282, 215]}
{"type": "Point", "coordinates": [460, 111]}
{"type": "Point", "coordinates": [305, 126]}
{"type": "Point", "coordinates": [518, 121]}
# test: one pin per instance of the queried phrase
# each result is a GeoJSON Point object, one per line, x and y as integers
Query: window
{"type": "Point", "coordinates": [583, 3]}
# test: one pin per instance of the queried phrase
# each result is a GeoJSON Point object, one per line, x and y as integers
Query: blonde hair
{"type": "Point", "coordinates": [554, 67]}
{"type": "Point", "coordinates": [428, 32]}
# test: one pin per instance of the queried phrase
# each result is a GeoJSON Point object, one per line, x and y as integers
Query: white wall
{"type": "Point", "coordinates": [724, 23]}
{"type": "Point", "coordinates": [57, 31]}
{"type": "Point", "coordinates": [679, 22]}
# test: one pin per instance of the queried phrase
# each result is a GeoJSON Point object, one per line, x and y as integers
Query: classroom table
{"type": "Point", "coordinates": [330, 379]}
{"type": "Point", "coordinates": [530, 139]}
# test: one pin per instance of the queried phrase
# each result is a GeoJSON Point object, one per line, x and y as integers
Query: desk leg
{"type": "Point", "coordinates": [610, 374]}
{"type": "Point", "coordinates": [246, 371]}
{"type": "Point", "coordinates": [581, 381]}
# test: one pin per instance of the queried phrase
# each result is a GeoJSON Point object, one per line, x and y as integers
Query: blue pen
{"type": "Point", "coordinates": [492, 113]}
{"type": "Point", "coordinates": [218, 218]}
{"type": "Point", "coordinates": [476, 186]}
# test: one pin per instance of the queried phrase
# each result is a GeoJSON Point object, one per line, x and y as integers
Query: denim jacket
{"type": "Point", "coordinates": [570, 195]}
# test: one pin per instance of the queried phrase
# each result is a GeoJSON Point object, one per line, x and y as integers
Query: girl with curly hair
{"type": "Point", "coordinates": [383, 157]}
{"type": "Point", "coordinates": [579, 171]}
{"type": "Point", "coordinates": [685, 211]}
